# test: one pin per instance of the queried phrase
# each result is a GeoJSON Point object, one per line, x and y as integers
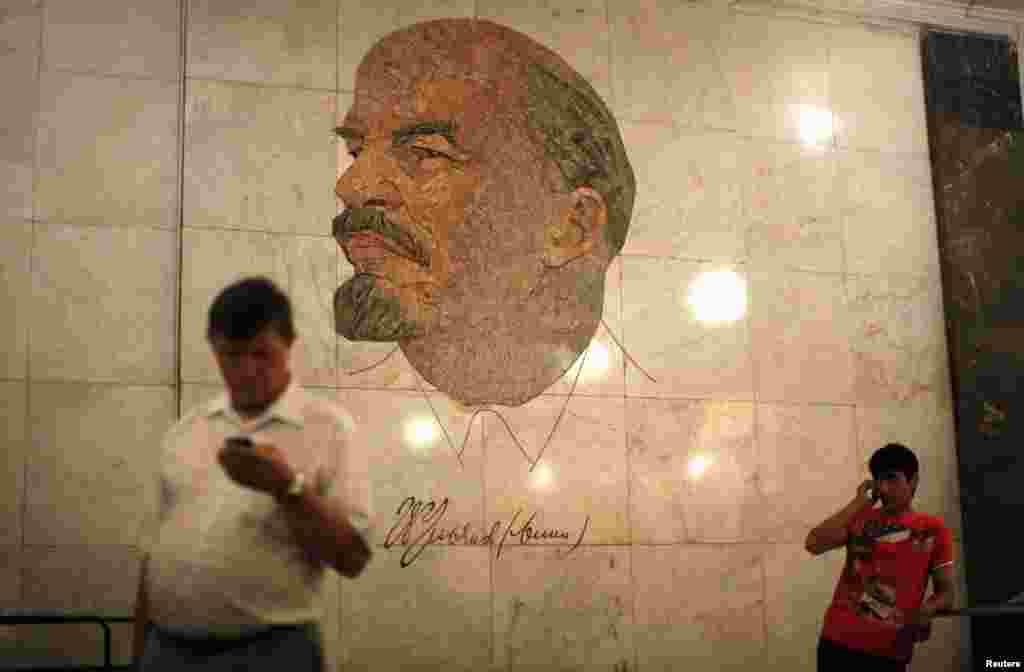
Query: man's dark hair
{"type": "Point", "coordinates": [243, 309]}
{"type": "Point", "coordinates": [893, 457]}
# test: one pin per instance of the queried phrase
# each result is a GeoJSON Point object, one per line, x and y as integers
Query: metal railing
{"type": "Point", "coordinates": [47, 616]}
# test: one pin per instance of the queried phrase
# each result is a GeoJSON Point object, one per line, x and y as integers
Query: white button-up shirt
{"type": "Point", "coordinates": [223, 559]}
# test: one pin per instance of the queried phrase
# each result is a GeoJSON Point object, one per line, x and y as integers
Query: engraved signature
{"type": "Point", "coordinates": [420, 524]}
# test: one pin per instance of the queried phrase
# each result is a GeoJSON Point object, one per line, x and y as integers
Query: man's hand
{"type": "Point", "coordinates": [919, 623]}
{"type": "Point", "coordinates": [260, 466]}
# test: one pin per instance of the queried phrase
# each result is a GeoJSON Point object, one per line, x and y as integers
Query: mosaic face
{"type": "Point", "coordinates": [489, 192]}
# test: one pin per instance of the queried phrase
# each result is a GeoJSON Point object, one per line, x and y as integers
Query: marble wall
{"type": "Point", "coordinates": [786, 156]}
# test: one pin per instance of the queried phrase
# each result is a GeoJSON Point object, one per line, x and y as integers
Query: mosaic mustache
{"type": "Point", "coordinates": [406, 244]}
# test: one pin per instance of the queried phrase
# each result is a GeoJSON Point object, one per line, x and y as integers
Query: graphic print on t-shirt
{"type": "Point", "coordinates": [888, 563]}
{"type": "Point", "coordinates": [873, 594]}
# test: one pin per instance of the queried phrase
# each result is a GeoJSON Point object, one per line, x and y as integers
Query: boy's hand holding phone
{"type": "Point", "coordinates": [868, 491]}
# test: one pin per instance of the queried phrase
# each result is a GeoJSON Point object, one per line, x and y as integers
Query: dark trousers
{"type": "Point", "coordinates": [833, 657]}
{"type": "Point", "coordinates": [296, 648]}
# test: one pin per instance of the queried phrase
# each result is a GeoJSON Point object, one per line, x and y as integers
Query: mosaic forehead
{"type": "Point", "coordinates": [489, 191]}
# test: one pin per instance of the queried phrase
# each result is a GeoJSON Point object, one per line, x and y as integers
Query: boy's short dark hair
{"type": "Point", "coordinates": [893, 457]}
{"type": "Point", "coordinates": [245, 308]}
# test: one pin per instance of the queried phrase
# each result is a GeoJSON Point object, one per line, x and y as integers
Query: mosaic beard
{"type": "Point", "coordinates": [364, 312]}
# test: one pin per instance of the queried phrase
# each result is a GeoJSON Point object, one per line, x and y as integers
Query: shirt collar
{"type": "Point", "coordinates": [287, 408]}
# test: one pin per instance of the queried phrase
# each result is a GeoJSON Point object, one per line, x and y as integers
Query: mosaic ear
{"type": "Point", "coordinates": [578, 229]}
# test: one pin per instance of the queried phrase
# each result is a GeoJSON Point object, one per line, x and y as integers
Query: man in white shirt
{"type": "Point", "coordinates": [261, 490]}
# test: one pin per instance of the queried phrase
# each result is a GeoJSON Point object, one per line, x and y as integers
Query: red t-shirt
{"type": "Point", "coordinates": [888, 562]}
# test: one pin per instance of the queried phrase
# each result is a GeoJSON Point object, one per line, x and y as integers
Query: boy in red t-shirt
{"type": "Point", "coordinates": [878, 610]}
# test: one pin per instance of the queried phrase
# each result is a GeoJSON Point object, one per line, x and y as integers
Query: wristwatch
{"type": "Point", "coordinates": [298, 485]}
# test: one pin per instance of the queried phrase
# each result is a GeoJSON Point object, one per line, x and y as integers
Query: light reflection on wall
{"type": "Point", "coordinates": [697, 465]}
{"type": "Point", "coordinates": [421, 433]}
{"type": "Point", "coordinates": [816, 125]}
{"type": "Point", "coordinates": [543, 477]}
{"type": "Point", "coordinates": [717, 297]}
{"type": "Point", "coordinates": [596, 367]}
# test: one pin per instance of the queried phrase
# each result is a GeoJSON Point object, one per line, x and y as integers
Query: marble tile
{"type": "Point", "coordinates": [107, 151]}
{"type": "Point", "coordinates": [875, 82]}
{"type": "Point", "coordinates": [106, 37]}
{"type": "Point", "coordinates": [800, 330]}
{"type": "Point", "coordinates": [434, 614]}
{"type": "Point", "coordinates": [98, 578]}
{"type": "Point", "coordinates": [417, 455]}
{"type": "Point", "coordinates": [690, 193]}
{"type": "Point", "coordinates": [656, 152]}
{"type": "Point", "coordinates": [94, 578]}
{"type": "Point", "coordinates": [603, 373]}
{"type": "Point", "coordinates": [14, 448]}
{"type": "Point", "coordinates": [784, 96]}
{"type": "Point", "coordinates": [19, 71]}
{"type": "Point", "coordinates": [553, 612]}
{"type": "Point", "coordinates": [90, 473]}
{"type": "Point", "coordinates": [417, 11]}
{"type": "Point", "coordinates": [692, 467]}
{"type": "Point", "coordinates": [714, 611]}
{"type": "Point", "coordinates": [578, 486]}
{"type": "Point", "coordinates": [898, 337]}
{"type": "Point", "coordinates": [98, 321]}
{"type": "Point", "coordinates": [313, 268]}
{"type": "Point", "coordinates": [19, 25]}
{"type": "Point", "coordinates": [259, 158]}
{"type": "Point", "coordinates": [212, 260]}
{"type": "Point", "coordinates": [926, 427]}
{"type": "Point", "coordinates": [361, 25]}
{"type": "Point", "coordinates": [799, 588]}
{"type": "Point", "coordinates": [577, 31]}
{"type": "Point", "coordinates": [193, 395]}
{"type": "Point", "coordinates": [685, 324]}
{"type": "Point", "coordinates": [792, 219]}
{"type": "Point", "coordinates": [15, 297]}
{"type": "Point", "coordinates": [263, 41]}
{"type": "Point", "coordinates": [808, 469]}
{"type": "Point", "coordinates": [20, 22]}
{"type": "Point", "coordinates": [888, 213]}
{"type": "Point", "coordinates": [664, 60]}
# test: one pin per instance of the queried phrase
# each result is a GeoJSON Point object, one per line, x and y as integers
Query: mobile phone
{"type": "Point", "coordinates": [238, 442]}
